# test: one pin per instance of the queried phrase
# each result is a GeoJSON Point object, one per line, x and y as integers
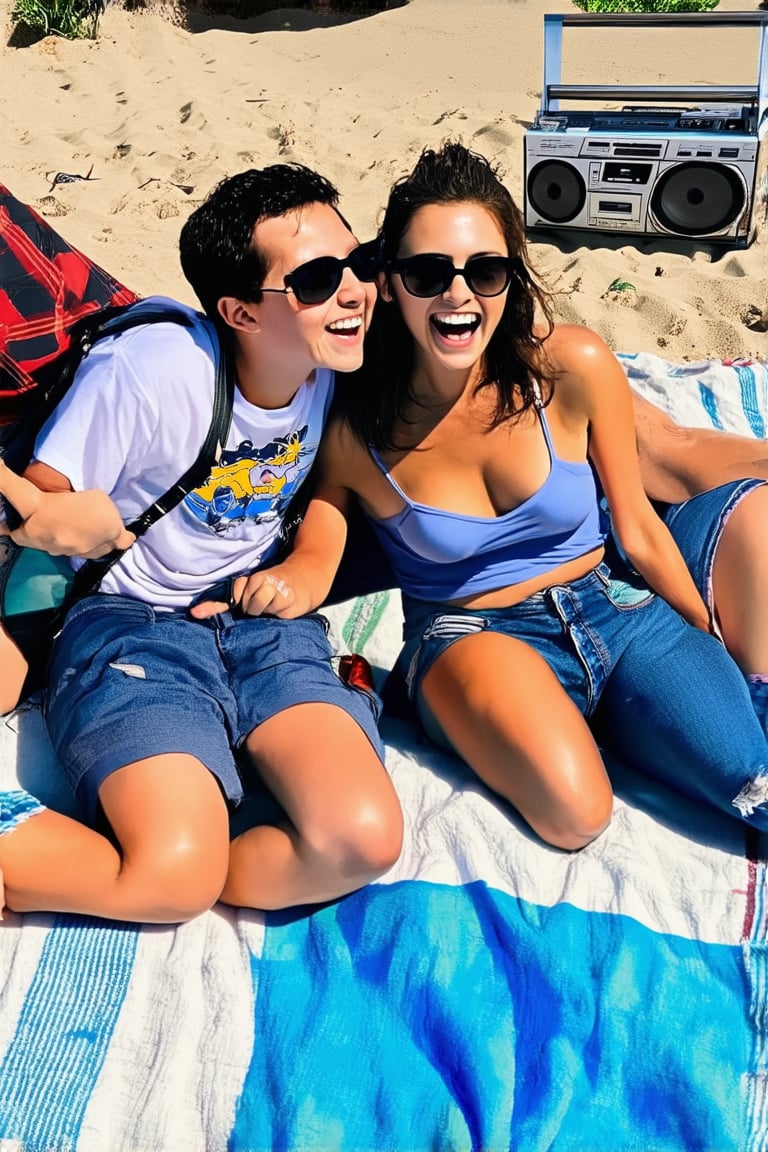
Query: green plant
{"type": "Point", "coordinates": [75, 19]}
{"type": "Point", "coordinates": [646, 5]}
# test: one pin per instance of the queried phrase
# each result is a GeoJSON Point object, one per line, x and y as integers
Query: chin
{"type": "Point", "coordinates": [348, 363]}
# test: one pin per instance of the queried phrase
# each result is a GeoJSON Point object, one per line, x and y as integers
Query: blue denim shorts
{"type": "Point", "coordinates": [663, 697]}
{"type": "Point", "coordinates": [127, 682]}
{"type": "Point", "coordinates": [579, 628]}
{"type": "Point", "coordinates": [697, 526]}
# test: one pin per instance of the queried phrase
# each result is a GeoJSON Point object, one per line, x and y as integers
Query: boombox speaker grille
{"type": "Point", "coordinates": [696, 199]}
{"type": "Point", "coordinates": [556, 191]}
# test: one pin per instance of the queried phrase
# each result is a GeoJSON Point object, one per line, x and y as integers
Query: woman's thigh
{"type": "Point", "coordinates": [500, 706]}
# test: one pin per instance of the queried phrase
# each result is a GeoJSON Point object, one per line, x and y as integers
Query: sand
{"type": "Point", "coordinates": [157, 111]}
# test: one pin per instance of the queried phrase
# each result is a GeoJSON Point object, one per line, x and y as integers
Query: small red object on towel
{"type": "Point", "coordinates": [357, 672]}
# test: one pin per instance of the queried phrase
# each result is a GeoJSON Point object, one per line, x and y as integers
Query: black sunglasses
{"type": "Point", "coordinates": [432, 275]}
{"type": "Point", "coordinates": [317, 280]}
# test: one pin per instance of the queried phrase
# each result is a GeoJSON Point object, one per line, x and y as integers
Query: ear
{"type": "Point", "coordinates": [385, 289]}
{"type": "Point", "coordinates": [239, 314]}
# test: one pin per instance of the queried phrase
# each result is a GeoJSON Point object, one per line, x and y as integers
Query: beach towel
{"type": "Point", "coordinates": [489, 993]}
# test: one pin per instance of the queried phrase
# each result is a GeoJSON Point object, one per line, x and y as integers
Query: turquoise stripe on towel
{"type": "Point", "coordinates": [63, 1032]}
{"type": "Point", "coordinates": [429, 1018]}
{"type": "Point", "coordinates": [749, 399]}
{"type": "Point", "coordinates": [709, 404]}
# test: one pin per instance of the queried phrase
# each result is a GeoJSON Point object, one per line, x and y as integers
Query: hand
{"type": "Point", "coordinates": [263, 593]}
{"type": "Point", "coordinates": [84, 524]}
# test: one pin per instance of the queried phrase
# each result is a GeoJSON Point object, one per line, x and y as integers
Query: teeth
{"type": "Point", "coordinates": [347, 325]}
{"type": "Point", "coordinates": [456, 317]}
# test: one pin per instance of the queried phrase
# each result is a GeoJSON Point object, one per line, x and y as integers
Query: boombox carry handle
{"type": "Point", "coordinates": [554, 90]}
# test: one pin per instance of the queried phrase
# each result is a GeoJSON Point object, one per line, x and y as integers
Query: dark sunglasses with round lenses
{"type": "Point", "coordinates": [317, 280]}
{"type": "Point", "coordinates": [428, 275]}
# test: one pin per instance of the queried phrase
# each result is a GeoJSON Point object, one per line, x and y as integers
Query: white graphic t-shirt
{"type": "Point", "coordinates": [134, 421]}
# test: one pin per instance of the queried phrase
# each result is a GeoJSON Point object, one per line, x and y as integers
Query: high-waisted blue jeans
{"type": "Point", "coordinates": [670, 701]}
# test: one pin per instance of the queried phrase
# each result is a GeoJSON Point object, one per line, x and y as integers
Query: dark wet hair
{"type": "Point", "coordinates": [377, 396]}
{"type": "Point", "coordinates": [218, 255]}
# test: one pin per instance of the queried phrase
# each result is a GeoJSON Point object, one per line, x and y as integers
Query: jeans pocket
{"type": "Point", "coordinates": [448, 625]}
{"type": "Point", "coordinates": [625, 595]}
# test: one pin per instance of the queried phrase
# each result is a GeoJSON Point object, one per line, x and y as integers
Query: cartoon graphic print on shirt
{"type": "Point", "coordinates": [252, 483]}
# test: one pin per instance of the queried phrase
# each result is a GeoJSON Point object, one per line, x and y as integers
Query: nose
{"type": "Point", "coordinates": [458, 289]}
{"type": "Point", "coordinates": [351, 290]}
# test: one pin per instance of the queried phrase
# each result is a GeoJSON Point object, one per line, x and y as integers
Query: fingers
{"type": "Point", "coordinates": [85, 523]}
{"type": "Point", "coordinates": [265, 593]}
{"type": "Point", "coordinates": [123, 541]}
{"type": "Point", "coordinates": [208, 608]}
{"type": "Point", "coordinates": [22, 494]}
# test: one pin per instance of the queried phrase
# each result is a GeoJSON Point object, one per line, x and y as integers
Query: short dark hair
{"type": "Point", "coordinates": [377, 396]}
{"type": "Point", "coordinates": [218, 255]}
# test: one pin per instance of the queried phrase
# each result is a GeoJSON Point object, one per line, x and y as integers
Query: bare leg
{"type": "Point", "coordinates": [677, 463]}
{"type": "Point", "coordinates": [345, 821]}
{"type": "Point", "coordinates": [740, 580]}
{"type": "Point", "coordinates": [504, 711]}
{"type": "Point", "coordinates": [170, 819]}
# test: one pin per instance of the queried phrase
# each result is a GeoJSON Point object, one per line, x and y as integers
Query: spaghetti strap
{"type": "Point", "coordinates": [388, 475]}
{"type": "Point", "coordinates": [544, 425]}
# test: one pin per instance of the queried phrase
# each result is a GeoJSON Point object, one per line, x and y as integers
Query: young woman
{"type": "Point", "coordinates": [470, 437]}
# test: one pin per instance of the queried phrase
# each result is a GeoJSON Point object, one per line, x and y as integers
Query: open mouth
{"type": "Point", "coordinates": [456, 327]}
{"type": "Point", "coordinates": [348, 326]}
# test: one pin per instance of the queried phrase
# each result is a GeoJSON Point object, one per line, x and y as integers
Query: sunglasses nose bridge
{"type": "Point", "coordinates": [350, 285]}
{"type": "Point", "coordinates": [453, 274]}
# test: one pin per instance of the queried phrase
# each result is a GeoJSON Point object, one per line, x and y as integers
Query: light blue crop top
{"type": "Point", "coordinates": [440, 555]}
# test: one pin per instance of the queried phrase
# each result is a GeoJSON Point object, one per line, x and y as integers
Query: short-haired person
{"type": "Point", "coordinates": [162, 712]}
{"type": "Point", "coordinates": [469, 437]}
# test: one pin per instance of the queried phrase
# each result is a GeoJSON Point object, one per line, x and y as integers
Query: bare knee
{"type": "Point", "coordinates": [179, 879]}
{"type": "Point", "coordinates": [363, 845]}
{"type": "Point", "coordinates": [573, 826]}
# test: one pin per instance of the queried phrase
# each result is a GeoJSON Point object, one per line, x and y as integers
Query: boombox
{"type": "Point", "coordinates": [693, 170]}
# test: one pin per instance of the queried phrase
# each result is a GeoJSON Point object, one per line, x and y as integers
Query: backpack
{"type": "Point", "coordinates": [46, 287]}
{"type": "Point", "coordinates": [55, 304]}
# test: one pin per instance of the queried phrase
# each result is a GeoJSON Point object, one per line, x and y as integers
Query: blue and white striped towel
{"type": "Point", "coordinates": [489, 993]}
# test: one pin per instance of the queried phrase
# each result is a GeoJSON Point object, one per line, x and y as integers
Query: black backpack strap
{"type": "Point", "coordinates": [92, 572]}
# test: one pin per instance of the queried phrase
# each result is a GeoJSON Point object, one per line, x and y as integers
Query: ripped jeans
{"type": "Point", "coordinates": [667, 698]}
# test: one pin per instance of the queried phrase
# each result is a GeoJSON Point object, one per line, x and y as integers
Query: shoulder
{"type": "Point", "coordinates": [342, 451]}
{"type": "Point", "coordinates": [573, 348]}
{"type": "Point", "coordinates": [581, 365]}
{"type": "Point", "coordinates": [170, 327]}
{"type": "Point", "coordinates": [154, 354]}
